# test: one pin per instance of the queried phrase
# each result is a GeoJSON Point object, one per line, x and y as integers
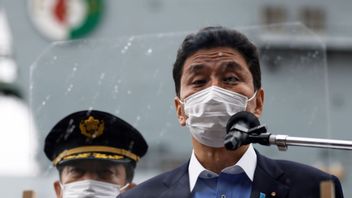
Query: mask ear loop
{"type": "Point", "coordinates": [183, 105]}
{"type": "Point", "coordinates": [248, 100]}
{"type": "Point", "coordinates": [180, 101]}
{"type": "Point", "coordinates": [255, 93]}
{"type": "Point", "coordinates": [124, 187]}
{"type": "Point", "coordinates": [61, 185]}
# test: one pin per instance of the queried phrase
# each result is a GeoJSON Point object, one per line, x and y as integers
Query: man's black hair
{"type": "Point", "coordinates": [129, 168]}
{"type": "Point", "coordinates": [212, 37]}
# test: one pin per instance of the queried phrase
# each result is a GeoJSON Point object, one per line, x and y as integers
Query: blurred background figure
{"type": "Point", "coordinates": [18, 138]}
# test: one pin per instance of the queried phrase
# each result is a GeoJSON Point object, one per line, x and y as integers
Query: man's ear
{"type": "Point", "coordinates": [259, 101]}
{"type": "Point", "coordinates": [58, 190]}
{"type": "Point", "coordinates": [180, 112]}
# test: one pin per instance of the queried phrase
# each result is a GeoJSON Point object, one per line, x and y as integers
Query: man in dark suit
{"type": "Point", "coordinates": [217, 74]}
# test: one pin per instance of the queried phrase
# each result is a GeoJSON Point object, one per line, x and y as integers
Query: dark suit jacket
{"type": "Point", "coordinates": [274, 178]}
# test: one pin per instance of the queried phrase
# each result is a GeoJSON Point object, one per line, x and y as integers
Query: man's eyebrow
{"type": "Point", "coordinates": [195, 68]}
{"type": "Point", "coordinates": [231, 66]}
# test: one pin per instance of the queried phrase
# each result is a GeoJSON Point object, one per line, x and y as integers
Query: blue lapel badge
{"type": "Point", "coordinates": [261, 195]}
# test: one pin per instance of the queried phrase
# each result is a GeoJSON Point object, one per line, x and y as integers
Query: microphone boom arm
{"type": "Point", "coordinates": [260, 135]}
{"type": "Point", "coordinates": [283, 141]}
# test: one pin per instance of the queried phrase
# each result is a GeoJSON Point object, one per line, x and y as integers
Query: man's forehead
{"type": "Point", "coordinates": [229, 65]}
{"type": "Point", "coordinates": [92, 164]}
{"type": "Point", "coordinates": [208, 56]}
{"type": "Point", "coordinates": [214, 53]}
{"type": "Point", "coordinates": [225, 58]}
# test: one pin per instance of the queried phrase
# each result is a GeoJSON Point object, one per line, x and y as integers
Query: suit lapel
{"type": "Point", "coordinates": [267, 177]}
{"type": "Point", "coordinates": [177, 183]}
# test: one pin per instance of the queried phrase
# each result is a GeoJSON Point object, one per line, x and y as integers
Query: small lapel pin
{"type": "Point", "coordinates": [261, 195]}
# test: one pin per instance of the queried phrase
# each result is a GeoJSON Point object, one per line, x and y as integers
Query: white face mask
{"type": "Point", "coordinates": [91, 189]}
{"type": "Point", "coordinates": [208, 112]}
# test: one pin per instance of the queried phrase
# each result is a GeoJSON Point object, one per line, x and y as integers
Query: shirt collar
{"type": "Point", "coordinates": [247, 164]}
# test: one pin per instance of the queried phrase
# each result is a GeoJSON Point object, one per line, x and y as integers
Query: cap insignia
{"type": "Point", "coordinates": [92, 128]}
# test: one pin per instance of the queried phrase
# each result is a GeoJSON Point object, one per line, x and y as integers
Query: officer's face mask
{"type": "Point", "coordinates": [91, 189]}
{"type": "Point", "coordinates": [208, 112]}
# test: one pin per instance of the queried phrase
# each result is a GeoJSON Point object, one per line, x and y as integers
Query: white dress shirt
{"type": "Point", "coordinates": [246, 164]}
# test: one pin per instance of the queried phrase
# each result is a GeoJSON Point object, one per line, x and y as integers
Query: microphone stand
{"type": "Point", "coordinates": [283, 141]}
{"type": "Point", "coordinates": [238, 136]}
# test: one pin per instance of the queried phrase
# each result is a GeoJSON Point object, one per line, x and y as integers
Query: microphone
{"type": "Point", "coordinates": [238, 128]}
{"type": "Point", "coordinates": [244, 128]}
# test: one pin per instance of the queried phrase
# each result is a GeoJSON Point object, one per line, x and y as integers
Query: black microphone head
{"type": "Point", "coordinates": [245, 117]}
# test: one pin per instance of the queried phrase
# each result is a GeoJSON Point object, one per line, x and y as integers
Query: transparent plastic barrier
{"type": "Point", "coordinates": [132, 78]}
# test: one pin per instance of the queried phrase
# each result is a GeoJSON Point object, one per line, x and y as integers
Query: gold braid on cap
{"type": "Point", "coordinates": [85, 149]}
